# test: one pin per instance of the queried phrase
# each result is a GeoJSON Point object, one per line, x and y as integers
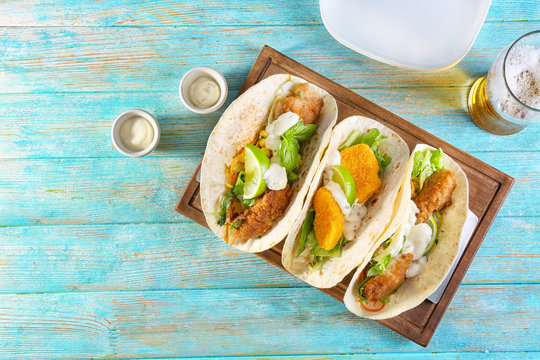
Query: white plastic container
{"type": "Point", "coordinates": [414, 34]}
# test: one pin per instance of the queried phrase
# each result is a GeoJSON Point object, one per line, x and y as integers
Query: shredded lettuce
{"type": "Point", "coordinates": [377, 267]}
{"type": "Point", "coordinates": [320, 255]}
{"type": "Point", "coordinates": [307, 237]}
{"type": "Point", "coordinates": [425, 163]}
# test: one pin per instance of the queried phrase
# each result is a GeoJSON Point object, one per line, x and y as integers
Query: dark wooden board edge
{"type": "Point", "coordinates": [419, 334]}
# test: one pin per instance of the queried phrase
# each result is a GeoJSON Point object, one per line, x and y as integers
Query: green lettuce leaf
{"type": "Point", "coordinates": [320, 255]}
{"type": "Point", "coordinates": [379, 267]}
{"type": "Point", "coordinates": [425, 163]}
{"type": "Point", "coordinates": [307, 227]}
{"type": "Point", "coordinates": [372, 139]}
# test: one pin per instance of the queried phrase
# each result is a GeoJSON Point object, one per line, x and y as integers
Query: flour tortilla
{"type": "Point", "coordinates": [239, 125]}
{"type": "Point", "coordinates": [381, 209]}
{"type": "Point", "coordinates": [440, 259]}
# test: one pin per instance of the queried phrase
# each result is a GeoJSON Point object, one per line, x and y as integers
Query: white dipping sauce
{"type": "Point", "coordinates": [204, 92]}
{"type": "Point", "coordinates": [136, 133]}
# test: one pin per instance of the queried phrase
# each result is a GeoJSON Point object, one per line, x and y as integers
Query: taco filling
{"type": "Point", "coordinates": [351, 177]}
{"type": "Point", "coordinates": [261, 176]}
{"type": "Point", "coordinates": [405, 254]}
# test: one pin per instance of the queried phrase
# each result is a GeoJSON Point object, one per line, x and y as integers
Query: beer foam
{"type": "Point", "coordinates": [523, 74]}
{"type": "Point", "coordinates": [523, 79]}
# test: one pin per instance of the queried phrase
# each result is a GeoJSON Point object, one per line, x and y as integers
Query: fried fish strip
{"type": "Point", "coordinates": [264, 213]}
{"type": "Point", "coordinates": [382, 285]}
{"type": "Point", "coordinates": [304, 101]}
{"type": "Point", "coordinates": [435, 195]}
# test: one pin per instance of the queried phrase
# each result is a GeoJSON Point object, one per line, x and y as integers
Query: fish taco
{"type": "Point", "coordinates": [260, 160]}
{"type": "Point", "coordinates": [350, 203]}
{"type": "Point", "coordinates": [411, 263]}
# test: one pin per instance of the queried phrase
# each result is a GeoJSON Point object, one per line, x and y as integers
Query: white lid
{"type": "Point", "coordinates": [413, 34]}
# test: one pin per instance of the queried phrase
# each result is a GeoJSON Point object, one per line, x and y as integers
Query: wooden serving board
{"type": "Point", "coordinates": [488, 188]}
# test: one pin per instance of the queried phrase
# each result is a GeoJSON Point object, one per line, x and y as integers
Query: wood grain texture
{"type": "Point", "coordinates": [27, 130]}
{"type": "Point", "coordinates": [248, 322]}
{"type": "Point", "coordinates": [197, 13]}
{"type": "Point", "coordinates": [76, 217]}
{"type": "Point", "coordinates": [185, 255]}
{"type": "Point", "coordinates": [114, 59]}
{"type": "Point", "coordinates": [125, 190]}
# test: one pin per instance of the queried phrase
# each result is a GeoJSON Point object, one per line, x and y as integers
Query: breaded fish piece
{"type": "Point", "coordinates": [328, 222]}
{"type": "Point", "coordinates": [382, 285]}
{"type": "Point", "coordinates": [435, 195]}
{"type": "Point", "coordinates": [364, 168]}
{"type": "Point", "coordinates": [234, 211]}
{"type": "Point", "coordinates": [260, 218]}
{"type": "Point", "coordinates": [304, 101]}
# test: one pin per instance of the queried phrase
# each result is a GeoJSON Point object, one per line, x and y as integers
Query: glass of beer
{"type": "Point", "coordinates": [507, 99]}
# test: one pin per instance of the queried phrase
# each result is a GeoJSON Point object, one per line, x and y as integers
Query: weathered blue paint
{"type": "Point", "coordinates": [94, 262]}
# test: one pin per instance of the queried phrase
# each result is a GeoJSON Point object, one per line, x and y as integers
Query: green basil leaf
{"type": "Point", "coordinates": [300, 132]}
{"type": "Point", "coordinates": [292, 177]}
{"type": "Point", "coordinates": [288, 154]}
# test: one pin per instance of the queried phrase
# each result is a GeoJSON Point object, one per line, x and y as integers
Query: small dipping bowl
{"type": "Point", "coordinates": [189, 78]}
{"type": "Point", "coordinates": [123, 117]}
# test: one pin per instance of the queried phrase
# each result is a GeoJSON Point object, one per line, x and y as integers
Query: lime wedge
{"type": "Point", "coordinates": [343, 177]}
{"type": "Point", "coordinates": [256, 164]}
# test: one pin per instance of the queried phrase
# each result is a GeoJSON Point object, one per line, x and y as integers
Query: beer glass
{"type": "Point", "coordinates": [507, 99]}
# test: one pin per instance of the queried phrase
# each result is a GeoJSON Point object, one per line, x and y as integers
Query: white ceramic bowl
{"type": "Point", "coordinates": [193, 75]}
{"type": "Point", "coordinates": [421, 34]}
{"type": "Point", "coordinates": [115, 132]}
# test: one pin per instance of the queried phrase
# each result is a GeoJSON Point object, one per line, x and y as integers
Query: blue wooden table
{"type": "Point", "coordinates": [95, 262]}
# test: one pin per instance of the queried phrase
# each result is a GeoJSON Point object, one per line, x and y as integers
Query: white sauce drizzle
{"type": "Point", "coordinates": [352, 215]}
{"type": "Point", "coordinates": [417, 240]}
{"type": "Point", "coordinates": [275, 177]}
{"type": "Point", "coordinates": [334, 158]}
{"type": "Point", "coordinates": [416, 267]}
{"type": "Point", "coordinates": [278, 127]}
